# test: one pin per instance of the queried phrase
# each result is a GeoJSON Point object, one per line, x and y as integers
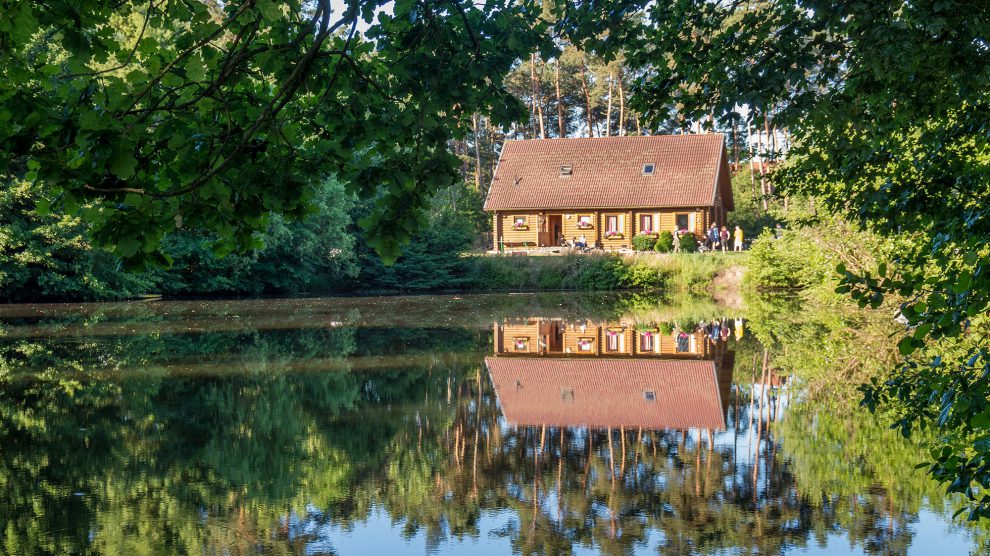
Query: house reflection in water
{"type": "Point", "coordinates": [616, 374]}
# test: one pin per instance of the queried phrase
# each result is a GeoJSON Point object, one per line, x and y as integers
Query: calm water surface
{"type": "Point", "coordinates": [436, 425]}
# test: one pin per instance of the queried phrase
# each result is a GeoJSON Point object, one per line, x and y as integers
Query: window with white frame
{"type": "Point", "coordinates": [612, 341]}
{"type": "Point", "coordinates": [646, 341]}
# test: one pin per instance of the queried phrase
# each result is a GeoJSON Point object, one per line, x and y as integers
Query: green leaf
{"type": "Point", "coordinates": [128, 246]}
{"type": "Point", "coordinates": [123, 164]}
{"type": "Point", "coordinates": [906, 346]}
{"type": "Point", "coordinates": [981, 420]}
{"type": "Point", "coordinates": [962, 283]}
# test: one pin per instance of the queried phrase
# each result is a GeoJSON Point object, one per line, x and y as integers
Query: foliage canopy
{"type": "Point", "coordinates": [149, 117]}
{"type": "Point", "coordinates": [888, 106]}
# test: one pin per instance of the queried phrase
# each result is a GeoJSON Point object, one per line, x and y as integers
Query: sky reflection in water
{"type": "Point", "coordinates": [531, 424]}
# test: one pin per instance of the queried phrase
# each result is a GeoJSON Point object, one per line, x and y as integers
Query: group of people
{"type": "Point", "coordinates": [716, 238]}
{"type": "Point", "coordinates": [580, 242]}
{"type": "Point", "coordinates": [717, 330]}
{"type": "Point", "coordinates": [721, 329]}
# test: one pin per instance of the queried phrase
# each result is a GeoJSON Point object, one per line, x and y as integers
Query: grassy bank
{"type": "Point", "coordinates": [670, 272]}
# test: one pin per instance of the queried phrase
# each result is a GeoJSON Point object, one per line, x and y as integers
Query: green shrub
{"type": "Point", "coordinates": [778, 263]}
{"type": "Point", "coordinates": [687, 243]}
{"type": "Point", "coordinates": [643, 242]}
{"type": "Point", "coordinates": [552, 279]}
{"type": "Point", "coordinates": [602, 273]}
{"type": "Point", "coordinates": [665, 242]}
{"type": "Point", "coordinates": [643, 273]}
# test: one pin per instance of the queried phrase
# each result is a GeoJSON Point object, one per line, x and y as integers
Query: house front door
{"type": "Point", "coordinates": [551, 235]}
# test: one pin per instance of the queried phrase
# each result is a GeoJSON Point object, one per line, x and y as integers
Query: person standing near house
{"type": "Point", "coordinates": [712, 239]}
{"type": "Point", "coordinates": [582, 242]}
{"type": "Point", "coordinates": [677, 239]}
{"type": "Point", "coordinates": [737, 246]}
{"type": "Point", "coordinates": [723, 238]}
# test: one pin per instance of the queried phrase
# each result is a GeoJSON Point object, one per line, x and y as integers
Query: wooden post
{"type": "Point", "coordinates": [598, 227]}
{"type": "Point", "coordinates": [496, 230]}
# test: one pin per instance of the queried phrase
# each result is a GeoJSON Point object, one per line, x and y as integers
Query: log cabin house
{"type": "Point", "coordinates": [611, 374]}
{"type": "Point", "coordinates": [607, 189]}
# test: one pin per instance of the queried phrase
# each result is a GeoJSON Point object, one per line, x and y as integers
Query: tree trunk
{"type": "Point", "coordinates": [608, 111]}
{"type": "Point", "coordinates": [532, 95]}
{"type": "Point", "coordinates": [561, 129]}
{"type": "Point", "coordinates": [763, 177]}
{"type": "Point", "coordinates": [495, 155]}
{"type": "Point", "coordinates": [477, 154]}
{"type": "Point", "coordinates": [735, 143]}
{"type": "Point", "coordinates": [587, 101]}
{"type": "Point", "coordinates": [764, 166]}
{"type": "Point", "coordinates": [539, 99]}
{"type": "Point", "coordinates": [622, 108]}
{"type": "Point", "coordinates": [752, 171]}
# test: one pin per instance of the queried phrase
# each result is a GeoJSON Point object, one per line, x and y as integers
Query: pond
{"type": "Point", "coordinates": [484, 424]}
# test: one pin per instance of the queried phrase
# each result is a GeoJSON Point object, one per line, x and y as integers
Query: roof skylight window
{"type": "Point", "coordinates": [566, 170]}
{"type": "Point", "coordinates": [648, 168]}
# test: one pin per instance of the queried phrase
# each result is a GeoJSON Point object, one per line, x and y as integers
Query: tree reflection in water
{"type": "Point", "coordinates": [236, 440]}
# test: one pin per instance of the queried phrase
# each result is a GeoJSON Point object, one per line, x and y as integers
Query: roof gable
{"type": "Point", "coordinates": [607, 172]}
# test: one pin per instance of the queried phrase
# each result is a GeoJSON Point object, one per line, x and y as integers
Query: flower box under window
{"type": "Point", "coordinates": [613, 225]}
{"type": "Point", "coordinates": [519, 223]}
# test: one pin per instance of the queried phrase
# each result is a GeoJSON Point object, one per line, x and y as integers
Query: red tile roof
{"type": "Point", "coordinates": [608, 173]}
{"type": "Point", "coordinates": [607, 392]}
